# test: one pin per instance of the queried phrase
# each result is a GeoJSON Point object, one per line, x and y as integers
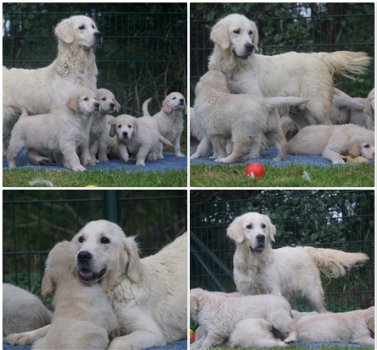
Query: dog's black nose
{"type": "Point", "coordinates": [98, 35]}
{"type": "Point", "coordinates": [182, 101]}
{"type": "Point", "coordinates": [84, 257]}
{"type": "Point", "coordinates": [125, 134]}
{"type": "Point", "coordinates": [249, 47]}
{"type": "Point", "coordinates": [96, 105]}
{"type": "Point", "coordinates": [260, 238]}
{"type": "Point", "coordinates": [112, 105]}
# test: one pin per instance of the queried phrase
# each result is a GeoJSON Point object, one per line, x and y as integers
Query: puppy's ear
{"type": "Point", "coordinates": [194, 305]}
{"type": "Point", "coordinates": [64, 31]}
{"type": "Point", "coordinates": [166, 107]}
{"type": "Point", "coordinates": [271, 229]}
{"type": "Point", "coordinates": [73, 104]}
{"type": "Point", "coordinates": [136, 127]}
{"type": "Point", "coordinates": [255, 36]}
{"type": "Point", "coordinates": [235, 230]}
{"type": "Point", "coordinates": [48, 283]}
{"type": "Point", "coordinates": [219, 35]}
{"type": "Point", "coordinates": [117, 105]}
{"type": "Point", "coordinates": [354, 148]}
{"type": "Point", "coordinates": [134, 268]}
{"type": "Point", "coordinates": [112, 130]}
{"type": "Point", "coordinates": [370, 323]}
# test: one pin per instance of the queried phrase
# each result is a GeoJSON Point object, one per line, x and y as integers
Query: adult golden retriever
{"type": "Point", "coordinates": [41, 90]}
{"type": "Point", "coordinates": [149, 295]}
{"type": "Point", "coordinates": [287, 271]}
{"type": "Point", "coordinates": [308, 75]}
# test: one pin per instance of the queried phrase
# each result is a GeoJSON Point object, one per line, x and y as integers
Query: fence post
{"type": "Point", "coordinates": [111, 209]}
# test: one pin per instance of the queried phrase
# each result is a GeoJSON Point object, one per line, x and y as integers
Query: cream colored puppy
{"type": "Point", "coordinates": [287, 271]}
{"type": "Point", "coordinates": [333, 141]}
{"type": "Point", "coordinates": [219, 315]}
{"type": "Point", "coordinates": [99, 130]}
{"type": "Point", "coordinates": [308, 75]}
{"type": "Point", "coordinates": [169, 120]}
{"type": "Point", "coordinates": [43, 90]}
{"type": "Point", "coordinates": [245, 119]}
{"type": "Point", "coordinates": [59, 133]}
{"type": "Point", "coordinates": [349, 327]}
{"type": "Point", "coordinates": [83, 317]}
{"type": "Point", "coordinates": [135, 136]}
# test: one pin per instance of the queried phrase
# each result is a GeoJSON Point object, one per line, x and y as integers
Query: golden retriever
{"type": "Point", "coordinates": [42, 90]}
{"type": "Point", "coordinates": [149, 295]}
{"type": "Point", "coordinates": [60, 132]}
{"type": "Point", "coordinates": [287, 271]}
{"type": "Point", "coordinates": [83, 316]}
{"type": "Point", "coordinates": [22, 310]}
{"type": "Point", "coordinates": [245, 119]}
{"type": "Point", "coordinates": [169, 120]}
{"type": "Point", "coordinates": [219, 314]}
{"type": "Point", "coordinates": [308, 75]}
{"type": "Point", "coordinates": [332, 141]}
{"type": "Point", "coordinates": [349, 327]}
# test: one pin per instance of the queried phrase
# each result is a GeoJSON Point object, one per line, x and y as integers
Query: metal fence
{"type": "Point", "coordinates": [330, 219]}
{"type": "Point", "coordinates": [283, 27]}
{"type": "Point", "coordinates": [34, 221]}
{"type": "Point", "coordinates": [144, 50]}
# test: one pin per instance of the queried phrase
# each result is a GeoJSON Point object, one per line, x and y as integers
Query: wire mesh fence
{"type": "Point", "coordinates": [328, 219]}
{"type": "Point", "coordinates": [34, 221]}
{"type": "Point", "coordinates": [283, 27]}
{"type": "Point", "coordinates": [144, 50]}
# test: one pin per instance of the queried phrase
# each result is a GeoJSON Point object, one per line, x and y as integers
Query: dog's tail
{"type": "Point", "coordinates": [165, 141]}
{"type": "Point", "coordinates": [145, 107]}
{"type": "Point", "coordinates": [285, 101]}
{"type": "Point", "coordinates": [346, 63]}
{"type": "Point", "coordinates": [334, 263]}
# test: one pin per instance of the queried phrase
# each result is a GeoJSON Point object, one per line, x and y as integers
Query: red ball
{"type": "Point", "coordinates": [255, 170]}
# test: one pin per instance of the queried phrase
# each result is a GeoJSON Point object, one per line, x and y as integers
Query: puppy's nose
{"type": "Point", "coordinates": [125, 133]}
{"type": "Point", "coordinates": [96, 105]}
{"type": "Point", "coordinates": [181, 101]}
{"type": "Point", "coordinates": [260, 238]}
{"type": "Point", "coordinates": [249, 47]}
{"type": "Point", "coordinates": [98, 35]}
{"type": "Point", "coordinates": [84, 257]}
{"type": "Point", "coordinates": [112, 105]}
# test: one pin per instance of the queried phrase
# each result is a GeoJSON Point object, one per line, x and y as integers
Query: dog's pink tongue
{"type": "Point", "coordinates": [86, 273]}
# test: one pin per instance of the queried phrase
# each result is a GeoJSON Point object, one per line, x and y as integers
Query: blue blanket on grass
{"type": "Point", "coordinates": [269, 154]}
{"type": "Point", "coordinates": [170, 162]}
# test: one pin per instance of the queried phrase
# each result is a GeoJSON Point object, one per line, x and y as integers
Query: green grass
{"type": "Point", "coordinates": [361, 175]}
{"type": "Point", "coordinates": [117, 178]}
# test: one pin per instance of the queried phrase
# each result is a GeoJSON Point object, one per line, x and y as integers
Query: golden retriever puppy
{"type": "Point", "coordinates": [349, 327]}
{"type": "Point", "coordinates": [355, 110]}
{"type": "Point", "coordinates": [308, 75]}
{"type": "Point", "coordinates": [287, 271]}
{"type": "Point", "coordinates": [219, 315]}
{"type": "Point", "coordinates": [100, 129]}
{"type": "Point", "coordinates": [245, 119]}
{"type": "Point", "coordinates": [135, 136]}
{"type": "Point", "coordinates": [22, 310]}
{"type": "Point", "coordinates": [333, 141]}
{"type": "Point", "coordinates": [169, 120]}
{"type": "Point", "coordinates": [60, 132]}
{"type": "Point", "coordinates": [43, 90]}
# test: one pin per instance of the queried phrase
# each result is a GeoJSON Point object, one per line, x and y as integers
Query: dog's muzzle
{"type": "Point", "coordinates": [260, 244]}
{"type": "Point", "coordinates": [248, 50]}
{"type": "Point", "coordinates": [86, 274]}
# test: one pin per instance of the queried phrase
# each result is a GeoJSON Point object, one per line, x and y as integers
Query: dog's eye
{"type": "Point", "coordinates": [105, 240]}
{"type": "Point", "coordinates": [250, 32]}
{"type": "Point", "coordinates": [174, 98]}
{"type": "Point", "coordinates": [103, 98]}
{"type": "Point", "coordinates": [119, 126]}
{"type": "Point", "coordinates": [81, 239]}
{"type": "Point", "coordinates": [263, 225]}
{"type": "Point", "coordinates": [86, 98]}
{"type": "Point", "coordinates": [82, 27]}
{"type": "Point", "coordinates": [250, 226]}
{"type": "Point", "coordinates": [129, 126]}
{"type": "Point", "coordinates": [366, 146]}
{"type": "Point", "coordinates": [237, 31]}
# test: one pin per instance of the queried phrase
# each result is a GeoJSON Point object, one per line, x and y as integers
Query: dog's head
{"type": "Point", "coordinates": [60, 266]}
{"type": "Point", "coordinates": [123, 127]}
{"type": "Point", "coordinates": [237, 34]}
{"type": "Point", "coordinates": [213, 79]}
{"type": "Point", "coordinates": [362, 145]}
{"type": "Point", "coordinates": [254, 230]}
{"type": "Point", "coordinates": [172, 102]}
{"type": "Point", "coordinates": [107, 101]}
{"type": "Point", "coordinates": [106, 254]}
{"type": "Point", "coordinates": [78, 31]}
{"type": "Point", "coordinates": [83, 102]}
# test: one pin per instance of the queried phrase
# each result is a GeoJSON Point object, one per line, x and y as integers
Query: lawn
{"type": "Point", "coordinates": [361, 175]}
{"type": "Point", "coordinates": [115, 178]}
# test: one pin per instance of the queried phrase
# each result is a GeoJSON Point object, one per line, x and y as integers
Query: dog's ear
{"type": "Point", "coordinates": [354, 148]}
{"type": "Point", "coordinates": [136, 126]}
{"type": "Point", "coordinates": [73, 104]}
{"type": "Point", "coordinates": [219, 35]}
{"type": "Point", "coordinates": [194, 305]}
{"type": "Point", "coordinates": [271, 229]}
{"type": "Point", "coordinates": [134, 267]}
{"type": "Point", "coordinates": [112, 130]}
{"type": "Point", "coordinates": [48, 283]}
{"type": "Point", "coordinates": [255, 36]}
{"type": "Point", "coordinates": [235, 230]}
{"type": "Point", "coordinates": [117, 105]}
{"type": "Point", "coordinates": [64, 31]}
{"type": "Point", "coordinates": [166, 107]}
{"type": "Point", "coordinates": [370, 323]}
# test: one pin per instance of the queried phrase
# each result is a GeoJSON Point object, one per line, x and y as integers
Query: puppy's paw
{"type": "Point", "coordinates": [78, 168]}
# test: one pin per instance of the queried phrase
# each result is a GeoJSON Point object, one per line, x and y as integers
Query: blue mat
{"type": "Point", "coordinates": [171, 162]}
{"type": "Point", "coordinates": [178, 345]}
{"type": "Point", "coordinates": [269, 154]}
